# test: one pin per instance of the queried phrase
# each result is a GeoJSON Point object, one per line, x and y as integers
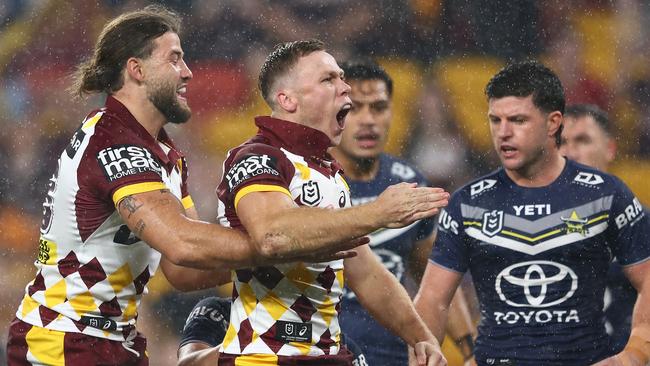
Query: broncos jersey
{"type": "Point", "coordinates": [539, 258]}
{"type": "Point", "coordinates": [393, 247]}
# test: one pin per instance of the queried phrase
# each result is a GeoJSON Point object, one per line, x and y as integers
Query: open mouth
{"type": "Point", "coordinates": [340, 117]}
{"type": "Point", "coordinates": [507, 150]}
{"type": "Point", "coordinates": [180, 92]}
{"type": "Point", "coordinates": [367, 139]}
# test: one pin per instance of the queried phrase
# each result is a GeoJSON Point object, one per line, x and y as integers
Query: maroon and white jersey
{"type": "Point", "coordinates": [92, 271]}
{"type": "Point", "coordinates": [289, 309]}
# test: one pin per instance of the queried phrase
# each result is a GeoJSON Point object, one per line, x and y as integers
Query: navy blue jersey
{"type": "Point", "coordinates": [207, 322]}
{"type": "Point", "coordinates": [539, 259]}
{"type": "Point", "coordinates": [393, 247]}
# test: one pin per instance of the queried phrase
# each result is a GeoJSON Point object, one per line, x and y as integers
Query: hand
{"type": "Point", "coordinates": [426, 353]}
{"type": "Point", "coordinates": [402, 204]}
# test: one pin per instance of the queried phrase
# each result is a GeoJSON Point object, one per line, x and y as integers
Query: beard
{"type": "Point", "coordinates": [163, 96]}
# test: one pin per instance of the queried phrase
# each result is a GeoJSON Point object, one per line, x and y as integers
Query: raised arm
{"type": "Point", "coordinates": [387, 301]}
{"type": "Point", "coordinates": [278, 227]}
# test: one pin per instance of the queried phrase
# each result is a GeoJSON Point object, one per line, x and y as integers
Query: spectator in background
{"type": "Point", "coordinates": [437, 146]}
{"type": "Point", "coordinates": [587, 138]}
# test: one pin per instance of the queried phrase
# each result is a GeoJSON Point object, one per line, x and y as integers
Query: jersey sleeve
{"type": "Point", "coordinates": [207, 322]}
{"type": "Point", "coordinates": [115, 166]}
{"type": "Point", "coordinates": [630, 241]}
{"type": "Point", "coordinates": [256, 168]}
{"type": "Point", "coordinates": [450, 248]}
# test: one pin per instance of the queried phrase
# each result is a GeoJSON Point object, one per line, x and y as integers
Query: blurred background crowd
{"type": "Point", "coordinates": [440, 54]}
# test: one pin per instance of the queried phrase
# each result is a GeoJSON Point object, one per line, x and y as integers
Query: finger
{"type": "Point", "coordinates": [420, 353]}
{"type": "Point", "coordinates": [344, 254]}
{"type": "Point", "coordinates": [424, 214]}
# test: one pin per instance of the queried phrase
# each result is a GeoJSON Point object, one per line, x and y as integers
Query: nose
{"type": "Point", "coordinates": [503, 129]}
{"type": "Point", "coordinates": [346, 88]}
{"type": "Point", "coordinates": [186, 73]}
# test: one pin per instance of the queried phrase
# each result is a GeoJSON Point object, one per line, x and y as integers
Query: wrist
{"type": "Point", "coordinates": [466, 345]}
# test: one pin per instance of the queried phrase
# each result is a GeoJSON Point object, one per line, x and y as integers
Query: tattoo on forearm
{"type": "Point", "coordinates": [131, 204]}
{"type": "Point", "coordinates": [139, 228]}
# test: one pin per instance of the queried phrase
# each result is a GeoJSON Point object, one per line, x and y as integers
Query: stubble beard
{"type": "Point", "coordinates": [163, 97]}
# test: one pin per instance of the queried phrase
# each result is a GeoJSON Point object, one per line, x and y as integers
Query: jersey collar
{"type": "Point", "coordinates": [294, 137]}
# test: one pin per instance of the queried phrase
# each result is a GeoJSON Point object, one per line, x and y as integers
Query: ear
{"type": "Point", "coordinates": [286, 101]}
{"type": "Point", "coordinates": [134, 69]}
{"type": "Point", "coordinates": [610, 153]}
{"type": "Point", "coordinates": [554, 122]}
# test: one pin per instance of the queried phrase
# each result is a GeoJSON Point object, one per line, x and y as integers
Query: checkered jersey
{"type": "Point", "coordinates": [91, 270]}
{"type": "Point", "coordinates": [288, 158]}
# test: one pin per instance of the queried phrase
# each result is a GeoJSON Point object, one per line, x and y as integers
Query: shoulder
{"type": "Point", "coordinates": [480, 186]}
{"type": "Point", "coordinates": [400, 169]}
{"type": "Point", "coordinates": [591, 179]}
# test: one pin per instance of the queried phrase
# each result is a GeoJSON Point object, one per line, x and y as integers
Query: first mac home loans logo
{"type": "Point", "coordinates": [124, 160]}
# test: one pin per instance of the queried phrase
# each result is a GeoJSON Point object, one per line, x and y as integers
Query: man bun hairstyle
{"type": "Point", "coordinates": [362, 69]}
{"type": "Point", "coordinates": [521, 79]}
{"type": "Point", "coordinates": [280, 60]}
{"type": "Point", "coordinates": [129, 35]}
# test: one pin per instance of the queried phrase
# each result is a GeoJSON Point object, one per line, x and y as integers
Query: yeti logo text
{"type": "Point", "coordinates": [589, 178]}
{"type": "Point", "coordinates": [125, 160]}
{"type": "Point", "coordinates": [250, 166]}
{"type": "Point", "coordinates": [492, 223]}
{"type": "Point", "coordinates": [481, 186]}
{"type": "Point", "coordinates": [531, 281]}
{"type": "Point", "coordinates": [311, 194]}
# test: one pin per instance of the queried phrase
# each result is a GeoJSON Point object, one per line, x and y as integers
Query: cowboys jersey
{"type": "Point", "coordinates": [539, 259]}
{"type": "Point", "coordinates": [393, 247]}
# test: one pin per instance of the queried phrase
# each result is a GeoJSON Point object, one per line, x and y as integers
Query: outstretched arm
{"type": "Point", "coordinates": [387, 301]}
{"type": "Point", "coordinates": [278, 227]}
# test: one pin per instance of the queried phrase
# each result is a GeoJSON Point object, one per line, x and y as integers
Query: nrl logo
{"type": "Point", "coordinates": [311, 194]}
{"type": "Point", "coordinates": [574, 224]}
{"type": "Point", "coordinates": [492, 223]}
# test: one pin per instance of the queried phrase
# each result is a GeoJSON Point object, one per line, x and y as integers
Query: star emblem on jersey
{"type": "Point", "coordinates": [311, 193]}
{"type": "Point", "coordinates": [575, 224]}
{"type": "Point", "coordinates": [492, 222]}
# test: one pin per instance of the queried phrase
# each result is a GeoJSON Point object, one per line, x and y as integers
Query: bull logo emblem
{"type": "Point", "coordinates": [311, 194]}
{"type": "Point", "coordinates": [492, 223]}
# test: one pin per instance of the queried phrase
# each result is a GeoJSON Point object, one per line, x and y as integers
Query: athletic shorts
{"type": "Point", "coordinates": [31, 345]}
{"type": "Point", "coordinates": [343, 358]}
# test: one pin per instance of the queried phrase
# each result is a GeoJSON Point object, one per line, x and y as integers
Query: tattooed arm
{"type": "Point", "coordinates": [158, 218]}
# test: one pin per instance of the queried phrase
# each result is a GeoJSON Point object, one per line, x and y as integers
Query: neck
{"type": "Point", "coordinates": [540, 173]}
{"type": "Point", "coordinates": [142, 109]}
{"type": "Point", "coordinates": [358, 169]}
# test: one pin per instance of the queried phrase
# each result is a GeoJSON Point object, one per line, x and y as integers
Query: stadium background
{"type": "Point", "coordinates": [439, 52]}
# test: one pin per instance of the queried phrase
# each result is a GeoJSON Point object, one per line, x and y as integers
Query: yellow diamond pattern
{"type": "Point", "coordinates": [273, 305]}
{"type": "Point", "coordinates": [28, 305]}
{"type": "Point", "coordinates": [83, 303]}
{"type": "Point", "coordinates": [304, 348]}
{"type": "Point", "coordinates": [130, 310]}
{"type": "Point", "coordinates": [300, 276]}
{"type": "Point", "coordinates": [56, 294]}
{"type": "Point", "coordinates": [120, 278]}
{"type": "Point", "coordinates": [326, 310]}
{"type": "Point", "coordinates": [340, 276]}
{"type": "Point", "coordinates": [305, 172]}
{"type": "Point", "coordinates": [248, 298]}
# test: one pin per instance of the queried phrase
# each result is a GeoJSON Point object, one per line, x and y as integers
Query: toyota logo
{"type": "Point", "coordinates": [536, 278]}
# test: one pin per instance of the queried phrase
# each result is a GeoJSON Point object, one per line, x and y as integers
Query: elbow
{"type": "Point", "coordinates": [270, 245]}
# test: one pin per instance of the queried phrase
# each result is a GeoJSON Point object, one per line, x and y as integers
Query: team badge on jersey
{"type": "Point", "coordinates": [575, 224]}
{"type": "Point", "coordinates": [311, 194]}
{"type": "Point", "coordinates": [492, 223]}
